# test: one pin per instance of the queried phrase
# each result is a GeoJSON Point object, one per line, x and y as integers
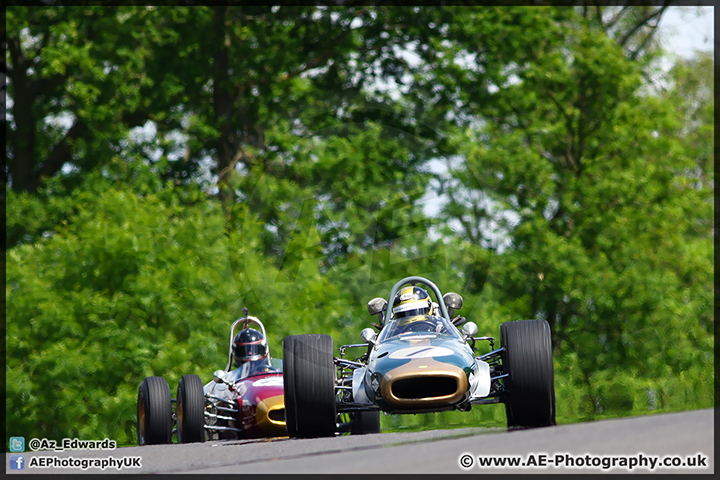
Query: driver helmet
{"type": "Point", "coordinates": [249, 345]}
{"type": "Point", "coordinates": [411, 302]}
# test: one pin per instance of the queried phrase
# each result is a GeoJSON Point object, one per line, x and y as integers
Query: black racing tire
{"type": "Point", "coordinates": [309, 383]}
{"type": "Point", "coordinates": [154, 412]}
{"type": "Point", "coordinates": [289, 384]}
{"type": "Point", "coordinates": [190, 411]}
{"type": "Point", "coordinates": [364, 421]}
{"type": "Point", "coordinates": [527, 360]}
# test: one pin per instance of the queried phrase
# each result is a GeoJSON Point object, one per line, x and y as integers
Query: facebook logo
{"type": "Point", "coordinates": [17, 462]}
{"type": "Point", "coordinates": [17, 444]}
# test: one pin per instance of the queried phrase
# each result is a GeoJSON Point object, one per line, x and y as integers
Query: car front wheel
{"type": "Point", "coordinates": [190, 410]}
{"type": "Point", "coordinates": [154, 412]}
{"type": "Point", "coordinates": [309, 383]}
{"type": "Point", "coordinates": [527, 360]}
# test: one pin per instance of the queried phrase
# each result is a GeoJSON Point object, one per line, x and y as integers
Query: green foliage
{"type": "Point", "coordinates": [119, 293]}
{"type": "Point", "coordinates": [283, 165]}
{"type": "Point", "coordinates": [608, 206]}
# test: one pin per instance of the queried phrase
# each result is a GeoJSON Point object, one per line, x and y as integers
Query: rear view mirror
{"type": "Point", "coordinates": [219, 376]}
{"type": "Point", "coordinates": [368, 335]}
{"type": "Point", "coordinates": [453, 301]}
{"type": "Point", "coordinates": [376, 305]}
{"type": "Point", "coordinates": [469, 329]}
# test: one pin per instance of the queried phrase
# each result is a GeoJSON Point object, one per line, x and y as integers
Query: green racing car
{"type": "Point", "coordinates": [423, 359]}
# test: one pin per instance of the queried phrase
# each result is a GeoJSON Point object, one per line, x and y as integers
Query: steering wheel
{"type": "Point", "coordinates": [420, 326]}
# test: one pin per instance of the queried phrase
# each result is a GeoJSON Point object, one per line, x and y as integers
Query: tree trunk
{"type": "Point", "coordinates": [21, 166]}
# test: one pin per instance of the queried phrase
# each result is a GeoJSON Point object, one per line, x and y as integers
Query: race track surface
{"type": "Point", "coordinates": [630, 443]}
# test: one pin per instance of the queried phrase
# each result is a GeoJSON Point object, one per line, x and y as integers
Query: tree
{"type": "Point", "coordinates": [188, 162]}
{"type": "Point", "coordinates": [227, 91]}
{"type": "Point", "coordinates": [75, 88]}
{"type": "Point", "coordinates": [220, 105]}
{"type": "Point", "coordinates": [589, 182]}
{"type": "Point", "coordinates": [634, 27]}
{"type": "Point", "coordinates": [133, 284]}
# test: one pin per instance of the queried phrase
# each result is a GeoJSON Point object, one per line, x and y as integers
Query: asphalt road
{"type": "Point", "coordinates": [633, 444]}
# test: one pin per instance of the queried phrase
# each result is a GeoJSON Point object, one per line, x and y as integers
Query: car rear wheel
{"type": "Point", "coordinates": [309, 383]}
{"type": "Point", "coordinates": [154, 412]}
{"type": "Point", "coordinates": [190, 410]}
{"type": "Point", "coordinates": [527, 360]}
{"type": "Point", "coordinates": [363, 422]}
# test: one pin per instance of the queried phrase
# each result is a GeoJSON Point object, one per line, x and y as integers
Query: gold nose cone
{"type": "Point", "coordinates": [270, 415]}
{"type": "Point", "coordinates": [424, 383]}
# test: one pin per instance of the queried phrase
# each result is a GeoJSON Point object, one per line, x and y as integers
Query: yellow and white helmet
{"type": "Point", "coordinates": [411, 302]}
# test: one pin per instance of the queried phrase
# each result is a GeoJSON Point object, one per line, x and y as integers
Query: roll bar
{"type": "Point", "coordinates": [412, 281]}
{"type": "Point", "coordinates": [247, 319]}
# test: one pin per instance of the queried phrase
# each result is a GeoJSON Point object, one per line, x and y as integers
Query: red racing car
{"type": "Point", "coordinates": [247, 402]}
